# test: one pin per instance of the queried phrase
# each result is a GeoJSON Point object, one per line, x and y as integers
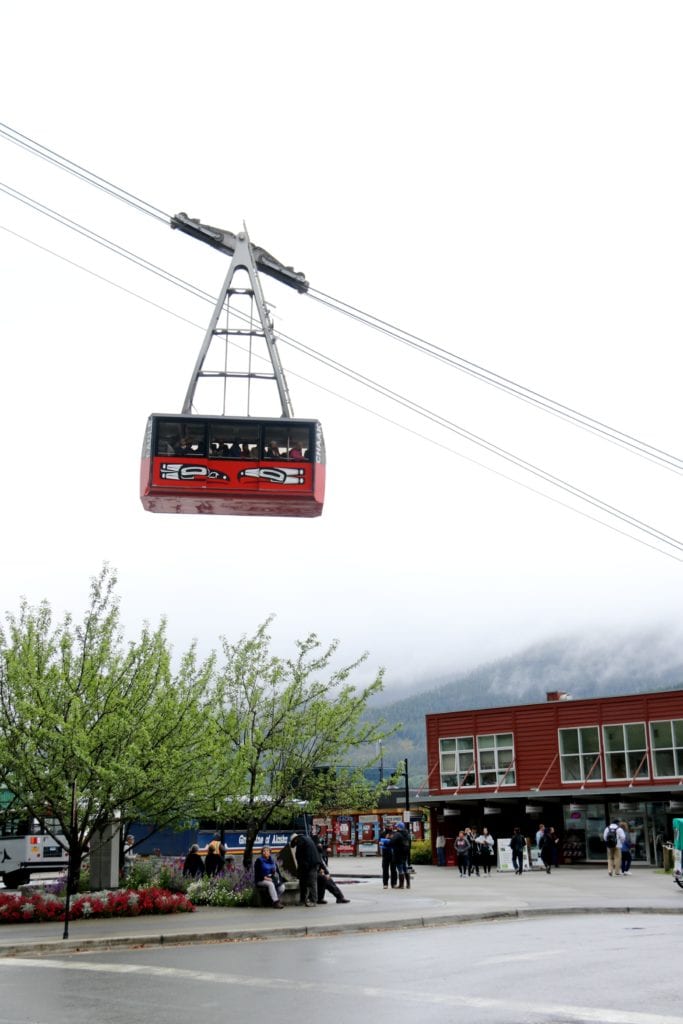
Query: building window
{"type": "Point", "coordinates": [457, 762]}
{"type": "Point", "coordinates": [625, 751]}
{"type": "Point", "coordinates": [496, 755]}
{"type": "Point", "coordinates": [580, 754]}
{"type": "Point", "coordinates": [667, 748]}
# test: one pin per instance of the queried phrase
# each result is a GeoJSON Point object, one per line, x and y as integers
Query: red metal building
{"type": "Point", "coordinates": [572, 764]}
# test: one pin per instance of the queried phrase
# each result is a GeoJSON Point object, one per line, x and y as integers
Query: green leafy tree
{"type": "Point", "coordinates": [80, 707]}
{"type": "Point", "coordinates": [277, 722]}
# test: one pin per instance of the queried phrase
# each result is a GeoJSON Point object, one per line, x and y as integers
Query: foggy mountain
{"type": "Point", "coordinates": [582, 666]}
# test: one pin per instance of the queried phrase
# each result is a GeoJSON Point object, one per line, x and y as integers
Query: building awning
{"type": "Point", "coordinates": [633, 794]}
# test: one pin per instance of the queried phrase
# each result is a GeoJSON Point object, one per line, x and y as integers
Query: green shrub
{"type": "Point", "coordinates": [142, 872]}
{"type": "Point", "coordinates": [421, 852]}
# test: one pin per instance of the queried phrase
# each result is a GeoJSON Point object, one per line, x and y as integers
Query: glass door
{"type": "Point", "coordinates": [637, 820]}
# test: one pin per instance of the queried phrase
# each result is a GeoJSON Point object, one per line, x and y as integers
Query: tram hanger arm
{"type": "Point", "coordinates": [226, 241]}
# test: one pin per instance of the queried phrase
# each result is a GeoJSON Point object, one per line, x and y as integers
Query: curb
{"type": "Point", "coordinates": [310, 931]}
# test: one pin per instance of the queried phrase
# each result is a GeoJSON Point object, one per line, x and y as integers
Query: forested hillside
{"type": "Point", "coordinates": [581, 666]}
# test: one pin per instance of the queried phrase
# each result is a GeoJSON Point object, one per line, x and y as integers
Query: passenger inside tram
{"type": "Point", "coordinates": [190, 439]}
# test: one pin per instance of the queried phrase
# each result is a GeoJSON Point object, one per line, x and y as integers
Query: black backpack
{"type": "Point", "coordinates": [611, 839]}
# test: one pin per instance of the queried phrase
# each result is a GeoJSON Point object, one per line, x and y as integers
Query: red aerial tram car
{"type": "Point", "coordinates": [225, 464]}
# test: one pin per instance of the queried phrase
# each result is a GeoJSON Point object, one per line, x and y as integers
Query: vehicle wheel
{"type": "Point", "coordinates": [13, 879]}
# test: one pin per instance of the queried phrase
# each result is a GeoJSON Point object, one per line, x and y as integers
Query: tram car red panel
{"type": "Point", "coordinates": [237, 466]}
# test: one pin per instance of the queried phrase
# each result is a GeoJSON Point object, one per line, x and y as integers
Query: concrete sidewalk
{"type": "Point", "coordinates": [438, 896]}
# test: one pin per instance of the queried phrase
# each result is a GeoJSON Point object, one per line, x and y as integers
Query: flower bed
{"type": "Point", "coordinates": [228, 889]}
{"type": "Point", "coordinates": [28, 905]}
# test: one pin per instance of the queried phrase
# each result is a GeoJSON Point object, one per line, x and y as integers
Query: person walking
{"type": "Point", "coordinates": [462, 851]}
{"type": "Point", "coordinates": [626, 856]}
{"type": "Point", "coordinates": [308, 862]}
{"type": "Point", "coordinates": [486, 850]}
{"type": "Point", "coordinates": [517, 845]}
{"type": "Point", "coordinates": [471, 837]}
{"type": "Point", "coordinates": [557, 846]}
{"type": "Point", "coordinates": [549, 843]}
{"type": "Point", "coordinates": [440, 850]}
{"type": "Point", "coordinates": [614, 837]}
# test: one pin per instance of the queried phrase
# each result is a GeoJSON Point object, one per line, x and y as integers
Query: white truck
{"type": "Point", "coordinates": [25, 855]}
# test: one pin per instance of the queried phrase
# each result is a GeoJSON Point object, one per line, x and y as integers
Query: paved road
{"type": "Point", "coordinates": [590, 968]}
{"type": "Point", "coordinates": [437, 896]}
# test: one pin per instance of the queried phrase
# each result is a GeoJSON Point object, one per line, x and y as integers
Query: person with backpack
{"type": "Point", "coordinates": [614, 837]}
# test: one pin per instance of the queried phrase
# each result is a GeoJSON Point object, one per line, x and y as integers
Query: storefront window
{"type": "Point", "coordinates": [625, 751]}
{"type": "Point", "coordinates": [584, 825]}
{"type": "Point", "coordinates": [496, 755]}
{"type": "Point", "coordinates": [580, 754]}
{"type": "Point", "coordinates": [667, 748]}
{"type": "Point", "coordinates": [457, 762]}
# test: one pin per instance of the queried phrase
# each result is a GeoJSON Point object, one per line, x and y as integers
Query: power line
{"type": "Point", "coordinates": [597, 427]}
{"type": "Point", "coordinates": [540, 401]}
{"type": "Point", "coordinates": [104, 242]}
{"type": "Point", "coordinates": [367, 382]}
{"type": "Point", "coordinates": [436, 418]}
{"type": "Point", "coordinates": [489, 446]}
{"type": "Point", "coordinates": [101, 277]}
{"type": "Point", "coordinates": [519, 391]}
{"type": "Point", "coordinates": [62, 162]}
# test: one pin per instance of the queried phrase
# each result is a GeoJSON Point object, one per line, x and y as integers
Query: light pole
{"type": "Point", "coordinates": [70, 875]}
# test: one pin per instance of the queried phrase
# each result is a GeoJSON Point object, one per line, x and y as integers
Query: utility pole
{"type": "Point", "coordinates": [402, 769]}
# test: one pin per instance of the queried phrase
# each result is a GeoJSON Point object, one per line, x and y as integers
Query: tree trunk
{"type": "Point", "coordinates": [247, 857]}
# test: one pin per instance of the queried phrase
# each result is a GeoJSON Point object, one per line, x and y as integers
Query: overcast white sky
{"type": "Point", "coordinates": [501, 179]}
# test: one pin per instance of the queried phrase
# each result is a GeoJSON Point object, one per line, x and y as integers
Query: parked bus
{"type": "Point", "coordinates": [28, 845]}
